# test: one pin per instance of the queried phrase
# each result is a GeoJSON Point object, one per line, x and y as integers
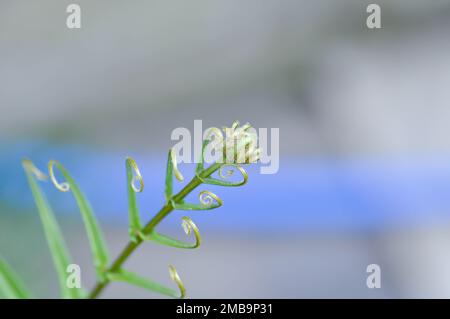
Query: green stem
{"type": "Point", "coordinates": [150, 226]}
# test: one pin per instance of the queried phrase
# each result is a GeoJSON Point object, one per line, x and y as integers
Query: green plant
{"type": "Point", "coordinates": [237, 139]}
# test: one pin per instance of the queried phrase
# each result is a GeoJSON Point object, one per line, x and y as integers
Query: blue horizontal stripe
{"type": "Point", "coordinates": [307, 195]}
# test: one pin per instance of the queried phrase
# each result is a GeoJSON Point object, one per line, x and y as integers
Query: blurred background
{"type": "Point", "coordinates": [364, 139]}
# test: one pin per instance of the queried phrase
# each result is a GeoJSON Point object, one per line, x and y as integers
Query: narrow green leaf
{"type": "Point", "coordinates": [55, 240]}
{"type": "Point", "coordinates": [188, 226]}
{"type": "Point", "coordinates": [169, 177]}
{"type": "Point", "coordinates": [171, 170]}
{"type": "Point", "coordinates": [189, 206]}
{"type": "Point", "coordinates": [200, 164]}
{"type": "Point", "coordinates": [135, 224]}
{"type": "Point", "coordinates": [97, 243]}
{"type": "Point", "coordinates": [226, 171]}
{"type": "Point", "coordinates": [10, 284]}
{"type": "Point", "coordinates": [207, 199]}
{"type": "Point", "coordinates": [230, 172]}
{"type": "Point", "coordinates": [123, 275]}
{"type": "Point", "coordinates": [218, 182]}
{"type": "Point", "coordinates": [169, 241]}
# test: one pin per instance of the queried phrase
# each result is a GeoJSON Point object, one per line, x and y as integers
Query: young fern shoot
{"type": "Point", "coordinates": [238, 140]}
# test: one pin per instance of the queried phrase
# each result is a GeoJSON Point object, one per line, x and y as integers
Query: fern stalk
{"type": "Point", "coordinates": [237, 139]}
{"type": "Point", "coordinates": [150, 226]}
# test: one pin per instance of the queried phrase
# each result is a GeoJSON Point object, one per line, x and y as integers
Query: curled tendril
{"type": "Point", "coordinates": [122, 275]}
{"type": "Point", "coordinates": [33, 169]}
{"type": "Point", "coordinates": [207, 199]}
{"type": "Point", "coordinates": [63, 187]}
{"type": "Point", "coordinates": [176, 171]}
{"type": "Point", "coordinates": [227, 171]}
{"type": "Point", "coordinates": [188, 227]}
{"type": "Point", "coordinates": [176, 278]}
{"type": "Point", "coordinates": [137, 177]}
